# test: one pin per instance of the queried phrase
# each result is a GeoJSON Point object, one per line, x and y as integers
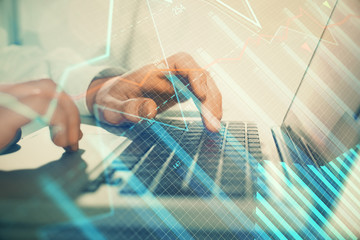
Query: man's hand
{"type": "Point", "coordinates": [21, 103]}
{"type": "Point", "coordinates": [142, 93]}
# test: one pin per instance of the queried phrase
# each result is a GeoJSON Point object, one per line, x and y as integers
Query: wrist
{"type": "Point", "coordinates": [92, 91]}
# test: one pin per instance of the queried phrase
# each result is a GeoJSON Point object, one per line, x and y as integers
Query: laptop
{"type": "Point", "coordinates": [170, 178]}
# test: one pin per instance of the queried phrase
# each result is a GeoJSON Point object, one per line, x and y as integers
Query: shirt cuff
{"type": "Point", "coordinates": [77, 84]}
{"type": "Point", "coordinates": [78, 81]}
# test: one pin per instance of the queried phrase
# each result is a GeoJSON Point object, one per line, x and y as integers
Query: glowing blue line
{"type": "Point", "coordinates": [261, 184]}
{"type": "Point", "coordinates": [331, 175]}
{"type": "Point", "coordinates": [326, 89]}
{"type": "Point", "coordinates": [66, 205]}
{"type": "Point", "coordinates": [297, 149]}
{"type": "Point", "coordinates": [257, 23]}
{"type": "Point", "coordinates": [184, 90]}
{"type": "Point", "coordinates": [307, 203]}
{"type": "Point", "coordinates": [324, 180]}
{"type": "Point", "coordinates": [303, 171]}
{"type": "Point", "coordinates": [98, 58]}
{"type": "Point", "coordinates": [66, 72]}
{"type": "Point", "coordinates": [281, 220]}
{"type": "Point", "coordinates": [96, 106]}
{"type": "Point", "coordinates": [336, 192]}
{"type": "Point", "coordinates": [140, 189]}
{"type": "Point", "coordinates": [65, 75]}
{"type": "Point", "coordinates": [189, 95]}
{"type": "Point", "coordinates": [158, 208]}
{"type": "Point", "coordinates": [138, 186]}
{"type": "Point", "coordinates": [259, 231]}
{"type": "Point", "coordinates": [262, 216]}
{"type": "Point", "coordinates": [238, 90]}
{"type": "Point", "coordinates": [343, 176]}
{"type": "Point", "coordinates": [283, 88]}
{"type": "Point", "coordinates": [352, 80]}
{"type": "Point", "coordinates": [318, 200]}
{"type": "Point", "coordinates": [326, 50]}
{"type": "Point", "coordinates": [299, 208]}
{"type": "Point", "coordinates": [314, 182]}
{"type": "Point", "coordinates": [291, 216]}
{"type": "Point", "coordinates": [344, 165]}
{"type": "Point", "coordinates": [354, 153]}
{"type": "Point", "coordinates": [167, 64]}
{"type": "Point", "coordinates": [336, 63]}
{"type": "Point", "coordinates": [109, 30]}
{"type": "Point", "coordinates": [200, 174]}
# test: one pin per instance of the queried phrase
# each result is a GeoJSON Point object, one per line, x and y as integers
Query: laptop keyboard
{"type": "Point", "coordinates": [220, 163]}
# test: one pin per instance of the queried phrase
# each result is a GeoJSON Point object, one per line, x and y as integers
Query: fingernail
{"type": "Point", "coordinates": [205, 87]}
{"type": "Point", "coordinates": [72, 148]}
{"type": "Point", "coordinates": [81, 135]}
{"type": "Point", "coordinates": [142, 110]}
{"type": "Point", "coordinates": [216, 124]}
{"type": "Point", "coordinates": [75, 147]}
{"type": "Point", "coordinates": [67, 149]}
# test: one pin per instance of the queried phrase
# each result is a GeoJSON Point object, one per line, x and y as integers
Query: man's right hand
{"type": "Point", "coordinates": [128, 98]}
{"type": "Point", "coordinates": [21, 103]}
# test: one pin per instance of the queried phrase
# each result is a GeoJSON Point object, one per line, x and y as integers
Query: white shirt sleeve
{"type": "Point", "coordinates": [75, 82]}
{"type": "Point", "coordinates": [22, 63]}
{"type": "Point", "coordinates": [74, 75]}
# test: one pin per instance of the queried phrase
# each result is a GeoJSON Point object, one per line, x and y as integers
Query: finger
{"type": "Point", "coordinates": [131, 110]}
{"type": "Point", "coordinates": [58, 134]}
{"type": "Point", "coordinates": [187, 67]}
{"type": "Point", "coordinates": [74, 147]}
{"type": "Point", "coordinates": [9, 138]}
{"type": "Point", "coordinates": [211, 108]}
{"type": "Point", "coordinates": [73, 121]}
{"type": "Point", "coordinates": [58, 128]}
{"type": "Point", "coordinates": [81, 135]}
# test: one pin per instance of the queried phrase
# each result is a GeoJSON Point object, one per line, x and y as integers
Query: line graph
{"type": "Point", "coordinates": [251, 40]}
{"type": "Point", "coordinates": [254, 21]}
{"type": "Point", "coordinates": [257, 39]}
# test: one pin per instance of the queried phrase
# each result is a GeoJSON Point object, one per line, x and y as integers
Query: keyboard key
{"type": "Point", "coordinates": [231, 168]}
{"type": "Point", "coordinates": [198, 188]}
{"type": "Point", "coordinates": [252, 133]}
{"type": "Point", "coordinates": [233, 131]}
{"type": "Point", "coordinates": [254, 150]}
{"type": "Point", "coordinates": [144, 177]}
{"type": "Point", "coordinates": [234, 191]}
{"type": "Point", "coordinates": [236, 124]}
{"type": "Point", "coordinates": [257, 155]}
{"type": "Point", "coordinates": [254, 144]}
{"type": "Point", "coordinates": [233, 151]}
{"type": "Point", "coordinates": [253, 136]}
{"type": "Point", "coordinates": [209, 157]}
{"type": "Point", "coordinates": [232, 182]}
{"type": "Point", "coordinates": [251, 140]}
{"type": "Point", "coordinates": [171, 184]}
{"type": "Point", "coordinates": [235, 156]}
{"type": "Point", "coordinates": [211, 172]}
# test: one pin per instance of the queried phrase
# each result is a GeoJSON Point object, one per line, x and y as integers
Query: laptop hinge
{"type": "Point", "coordinates": [281, 146]}
{"type": "Point", "coordinates": [294, 149]}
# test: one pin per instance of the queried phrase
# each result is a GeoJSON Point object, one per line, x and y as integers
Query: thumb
{"type": "Point", "coordinates": [131, 110]}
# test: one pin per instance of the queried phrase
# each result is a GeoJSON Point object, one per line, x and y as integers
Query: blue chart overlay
{"type": "Point", "coordinates": [282, 163]}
